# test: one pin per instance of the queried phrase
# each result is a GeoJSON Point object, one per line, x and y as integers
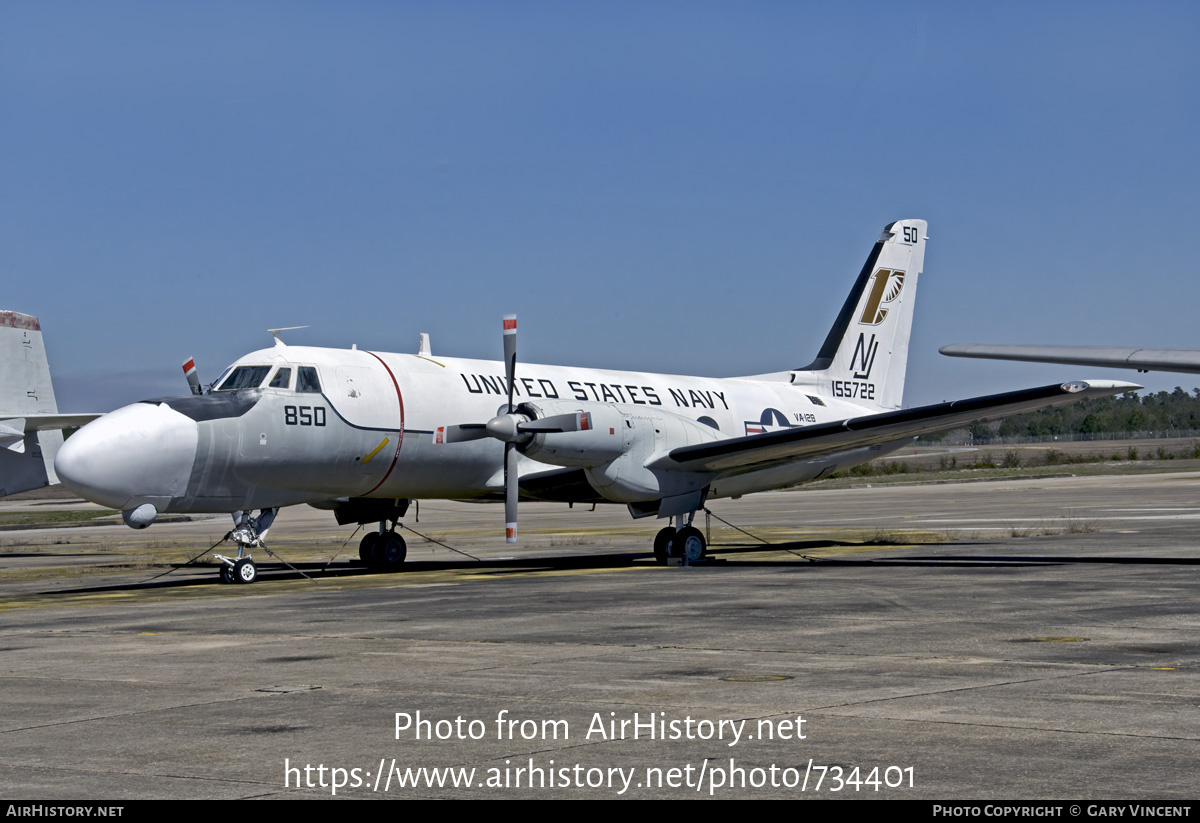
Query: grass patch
{"type": "Point", "coordinates": [976, 471]}
{"type": "Point", "coordinates": [574, 539]}
{"type": "Point", "coordinates": [52, 518]}
{"type": "Point", "coordinates": [1079, 525]}
{"type": "Point", "coordinates": [1071, 524]}
{"type": "Point", "coordinates": [892, 537]}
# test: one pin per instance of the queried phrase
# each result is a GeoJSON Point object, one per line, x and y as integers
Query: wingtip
{"type": "Point", "coordinates": [1104, 385]}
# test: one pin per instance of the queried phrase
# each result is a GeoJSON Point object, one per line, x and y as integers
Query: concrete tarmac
{"type": "Point", "coordinates": [996, 640]}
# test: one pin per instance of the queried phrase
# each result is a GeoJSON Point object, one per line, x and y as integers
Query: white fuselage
{"type": "Point", "coordinates": [370, 431]}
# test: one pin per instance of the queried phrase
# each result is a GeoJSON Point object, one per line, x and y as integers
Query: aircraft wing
{"type": "Point", "coordinates": [761, 451]}
{"type": "Point", "coordinates": [1177, 360]}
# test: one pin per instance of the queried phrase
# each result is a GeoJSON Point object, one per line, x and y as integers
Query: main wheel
{"type": "Point", "coordinates": [244, 571]}
{"type": "Point", "coordinates": [227, 573]}
{"type": "Point", "coordinates": [691, 544]}
{"type": "Point", "coordinates": [391, 551]}
{"type": "Point", "coordinates": [366, 549]}
{"type": "Point", "coordinates": [662, 544]}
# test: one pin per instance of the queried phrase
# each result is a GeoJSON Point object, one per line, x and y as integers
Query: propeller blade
{"type": "Point", "coordinates": [460, 433]}
{"type": "Point", "coordinates": [576, 422]}
{"type": "Point", "coordinates": [510, 354]}
{"type": "Point", "coordinates": [510, 446]}
{"type": "Point", "coordinates": [189, 371]}
{"type": "Point", "coordinates": [510, 492]}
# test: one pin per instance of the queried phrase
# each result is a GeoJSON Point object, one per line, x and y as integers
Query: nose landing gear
{"type": "Point", "coordinates": [248, 533]}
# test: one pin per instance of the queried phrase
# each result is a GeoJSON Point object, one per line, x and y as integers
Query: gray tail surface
{"type": "Point", "coordinates": [865, 355]}
{"type": "Point", "coordinates": [26, 454]}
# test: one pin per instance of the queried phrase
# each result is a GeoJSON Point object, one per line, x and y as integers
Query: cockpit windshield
{"type": "Point", "coordinates": [307, 380]}
{"type": "Point", "coordinates": [244, 377]}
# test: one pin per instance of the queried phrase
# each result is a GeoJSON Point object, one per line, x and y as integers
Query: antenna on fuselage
{"type": "Point", "coordinates": [279, 340]}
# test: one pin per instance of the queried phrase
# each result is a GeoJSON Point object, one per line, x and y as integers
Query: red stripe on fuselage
{"type": "Point", "coordinates": [400, 433]}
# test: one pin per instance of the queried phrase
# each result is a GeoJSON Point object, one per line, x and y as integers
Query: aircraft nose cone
{"type": "Point", "coordinates": [137, 454]}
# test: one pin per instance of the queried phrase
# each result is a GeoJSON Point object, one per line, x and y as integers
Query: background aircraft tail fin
{"type": "Point", "coordinates": [865, 354]}
{"type": "Point", "coordinates": [26, 454]}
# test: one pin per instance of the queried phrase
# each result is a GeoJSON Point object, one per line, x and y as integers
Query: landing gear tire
{"type": "Point", "coordinates": [227, 573]}
{"type": "Point", "coordinates": [391, 550]}
{"type": "Point", "coordinates": [662, 545]}
{"type": "Point", "coordinates": [366, 549]}
{"type": "Point", "coordinates": [244, 571]}
{"type": "Point", "coordinates": [691, 545]}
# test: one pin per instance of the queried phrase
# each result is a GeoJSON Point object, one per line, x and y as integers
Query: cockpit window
{"type": "Point", "coordinates": [244, 377]}
{"type": "Point", "coordinates": [307, 381]}
{"type": "Point", "coordinates": [213, 385]}
{"type": "Point", "coordinates": [282, 379]}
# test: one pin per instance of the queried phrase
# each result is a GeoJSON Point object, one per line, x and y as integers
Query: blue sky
{"type": "Point", "coordinates": [685, 187]}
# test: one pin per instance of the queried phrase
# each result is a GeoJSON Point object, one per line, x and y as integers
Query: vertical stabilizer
{"type": "Point", "coordinates": [25, 462]}
{"type": "Point", "coordinates": [865, 354]}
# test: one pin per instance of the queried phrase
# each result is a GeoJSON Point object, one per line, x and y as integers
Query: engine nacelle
{"type": "Point", "coordinates": [616, 447]}
{"type": "Point", "coordinates": [601, 442]}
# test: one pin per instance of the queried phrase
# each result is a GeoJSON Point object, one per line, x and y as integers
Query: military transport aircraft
{"type": "Point", "coordinates": [363, 433]}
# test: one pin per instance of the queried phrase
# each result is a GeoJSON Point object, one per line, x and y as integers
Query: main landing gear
{"type": "Point", "coordinates": [680, 541]}
{"type": "Point", "coordinates": [248, 533]}
{"type": "Point", "coordinates": [383, 551]}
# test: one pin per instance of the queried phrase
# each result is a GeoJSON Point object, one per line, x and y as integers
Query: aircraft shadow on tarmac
{"type": "Point", "coordinates": [802, 548]}
{"type": "Point", "coordinates": [741, 555]}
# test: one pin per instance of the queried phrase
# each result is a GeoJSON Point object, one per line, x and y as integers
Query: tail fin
{"type": "Point", "coordinates": [865, 355]}
{"type": "Point", "coordinates": [26, 394]}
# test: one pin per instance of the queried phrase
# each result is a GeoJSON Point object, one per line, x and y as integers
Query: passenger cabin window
{"type": "Point", "coordinates": [282, 379]}
{"type": "Point", "coordinates": [245, 377]}
{"type": "Point", "coordinates": [306, 380]}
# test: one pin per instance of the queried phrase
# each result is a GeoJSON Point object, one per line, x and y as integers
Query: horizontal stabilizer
{"type": "Point", "coordinates": [760, 451]}
{"type": "Point", "coordinates": [14, 429]}
{"type": "Point", "coordinates": [47, 422]}
{"type": "Point", "coordinates": [12, 435]}
{"type": "Point", "coordinates": [29, 418]}
{"type": "Point", "coordinates": [1176, 360]}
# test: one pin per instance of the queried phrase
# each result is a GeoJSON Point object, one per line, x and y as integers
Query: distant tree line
{"type": "Point", "coordinates": [1128, 412]}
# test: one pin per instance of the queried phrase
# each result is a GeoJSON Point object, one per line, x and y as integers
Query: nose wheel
{"type": "Point", "coordinates": [248, 532]}
{"type": "Point", "coordinates": [238, 570]}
